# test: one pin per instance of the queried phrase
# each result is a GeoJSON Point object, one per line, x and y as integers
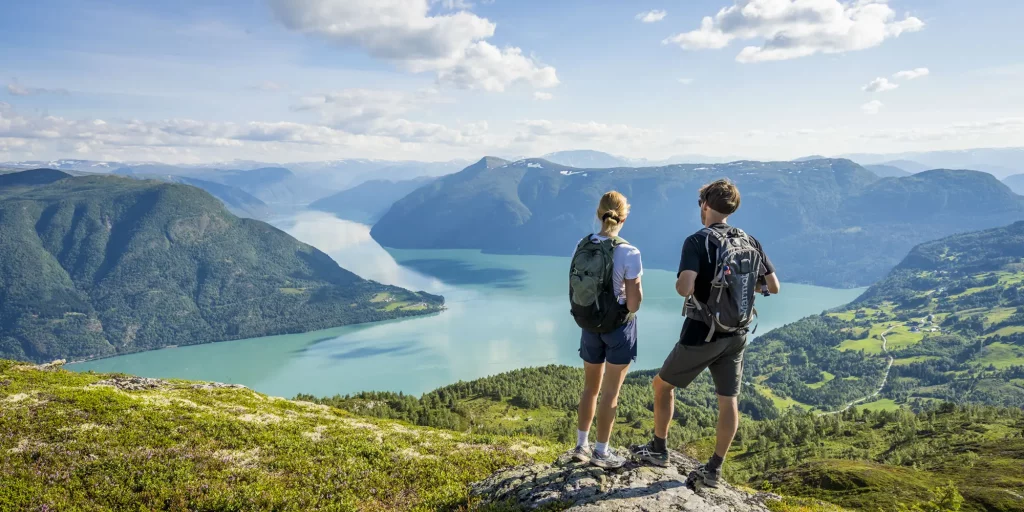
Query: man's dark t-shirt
{"type": "Point", "coordinates": [696, 258]}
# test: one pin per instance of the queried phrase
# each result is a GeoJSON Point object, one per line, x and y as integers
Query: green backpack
{"type": "Point", "coordinates": [591, 297]}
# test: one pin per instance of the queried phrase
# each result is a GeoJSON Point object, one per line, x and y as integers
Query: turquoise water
{"type": "Point", "coordinates": [504, 312]}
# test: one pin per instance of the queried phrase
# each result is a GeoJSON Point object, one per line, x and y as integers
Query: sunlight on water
{"type": "Point", "coordinates": [504, 312]}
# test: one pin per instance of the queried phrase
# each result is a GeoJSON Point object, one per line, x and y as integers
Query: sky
{"type": "Point", "coordinates": [194, 81]}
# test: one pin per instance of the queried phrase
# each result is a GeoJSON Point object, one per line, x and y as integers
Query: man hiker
{"type": "Point", "coordinates": [720, 270]}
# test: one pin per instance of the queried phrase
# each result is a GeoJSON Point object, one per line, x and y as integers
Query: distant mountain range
{"type": "Point", "coordinates": [887, 171]}
{"type": "Point", "coordinates": [102, 265]}
{"type": "Point", "coordinates": [1015, 182]}
{"type": "Point", "coordinates": [589, 159]}
{"type": "Point", "coordinates": [827, 222]}
{"type": "Point", "coordinates": [1000, 162]}
{"type": "Point", "coordinates": [369, 201]}
{"type": "Point", "coordinates": [238, 201]}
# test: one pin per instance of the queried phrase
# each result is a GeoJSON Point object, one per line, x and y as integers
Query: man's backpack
{"type": "Point", "coordinates": [730, 306]}
{"type": "Point", "coordinates": [591, 297]}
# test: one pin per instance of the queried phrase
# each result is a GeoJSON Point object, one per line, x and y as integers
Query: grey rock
{"type": "Point", "coordinates": [635, 487]}
{"type": "Point", "coordinates": [130, 383]}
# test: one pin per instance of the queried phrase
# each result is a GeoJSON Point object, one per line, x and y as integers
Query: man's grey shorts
{"type": "Point", "coordinates": [723, 357]}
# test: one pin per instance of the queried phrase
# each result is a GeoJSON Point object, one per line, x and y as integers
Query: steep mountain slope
{"type": "Point", "coordinates": [1015, 182]}
{"type": "Point", "coordinates": [368, 201]}
{"type": "Point", "coordinates": [887, 171]}
{"type": "Point", "coordinates": [828, 222]}
{"type": "Point", "coordinates": [101, 265]}
{"type": "Point", "coordinates": [947, 323]}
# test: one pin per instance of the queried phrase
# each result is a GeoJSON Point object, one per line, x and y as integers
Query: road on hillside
{"type": "Point", "coordinates": [885, 378]}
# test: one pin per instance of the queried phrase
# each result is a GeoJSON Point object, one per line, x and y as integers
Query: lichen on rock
{"type": "Point", "coordinates": [567, 485]}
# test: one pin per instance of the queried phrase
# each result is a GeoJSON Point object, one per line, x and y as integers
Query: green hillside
{"type": "Point", "coordinates": [826, 222]}
{"type": "Point", "coordinates": [71, 442]}
{"type": "Point", "coordinates": [861, 459]}
{"type": "Point", "coordinates": [103, 265]}
{"type": "Point", "coordinates": [950, 317]}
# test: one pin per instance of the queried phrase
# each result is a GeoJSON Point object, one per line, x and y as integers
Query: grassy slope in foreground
{"type": "Point", "coordinates": [71, 441]}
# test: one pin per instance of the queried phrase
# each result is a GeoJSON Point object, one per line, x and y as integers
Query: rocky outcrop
{"type": "Point", "coordinates": [635, 487]}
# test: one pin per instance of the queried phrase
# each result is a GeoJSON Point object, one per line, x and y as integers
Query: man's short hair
{"type": "Point", "coordinates": [721, 196]}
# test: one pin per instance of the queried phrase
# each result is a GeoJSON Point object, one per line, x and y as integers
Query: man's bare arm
{"type": "Point", "coordinates": [772, 281]}
{"type": "Point", "coordinates": [684, 284]}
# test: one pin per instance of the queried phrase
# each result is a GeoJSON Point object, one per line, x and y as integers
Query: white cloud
{"type": "Point", "coordinates": [880, 85]}
{"type": "Point", "coordinates": [404, 31]}
{"type": "Point", "coordinates": [872, 107]}
{"type": "Point", "coordinates": [486, 67]}
{"type": "Point", "coordinates": [651, 16]}
{"type": "Point", "coordinates": [798, 28]}
{"type": "Point", "coordinates": [136, 138]}
{"type": "Point", "coordinates": [912, 74]}
{"type": "Point", "coordinates": [533, 129]}
{"type": "Point", "coordinates": [544, 96]}
{"type": "Point", "coordinates": [17, 89]}
{"type": "Point", "coordinates": [686, 81]}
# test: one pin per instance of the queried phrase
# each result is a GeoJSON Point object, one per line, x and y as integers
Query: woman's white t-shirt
{"type": "Point", "coordinates": [626, 264]}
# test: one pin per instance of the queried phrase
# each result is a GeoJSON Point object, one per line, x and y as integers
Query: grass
{"type": "Point", "coordinates": [781, 403]}
{"type": "Point", "coordinates": [1008, 330]}
{"type": "Point", "coordinates": [1001, 355]}
{"type": "Point", "coordinates": [910, 360]}
{"type": "Point", "coordinates": [826, 378]}
{"type": "Point", "coordinates": [70, 441]}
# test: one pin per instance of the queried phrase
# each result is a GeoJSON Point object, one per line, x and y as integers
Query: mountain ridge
{"type": "Point", "coordinates": [837, 207]}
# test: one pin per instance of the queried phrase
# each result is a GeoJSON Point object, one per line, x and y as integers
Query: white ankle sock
{"type": "Point", "coordinates": [581, 438]}
{"type": "Point", "coordinates": [601, 448]}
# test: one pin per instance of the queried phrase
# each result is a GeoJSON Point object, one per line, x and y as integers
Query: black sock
{"type": "Point", "coordinates": [715, 462]}
{"type": "Point", "coordinates": [658, 444]}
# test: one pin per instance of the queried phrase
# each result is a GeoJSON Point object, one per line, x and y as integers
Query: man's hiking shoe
{"type": "Point", "coordinates": [581, 454]}
{"type": "Point", "coordinates": [608, 460]}
{"type": "Point", "coordinates": [704, 476]}
{"type": "Point", "coordinates": [646, 453]}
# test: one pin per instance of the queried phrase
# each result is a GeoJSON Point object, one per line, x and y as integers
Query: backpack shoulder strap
{"type": "Point", "coordinates": [714, 237]}
{"type": "Point", "coordinates": [586, 240]}
{"type": "Point", "coordinates": [617, 241]}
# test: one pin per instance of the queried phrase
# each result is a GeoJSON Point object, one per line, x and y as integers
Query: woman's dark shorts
{"type": "Point", "coordinates": [616, 347]}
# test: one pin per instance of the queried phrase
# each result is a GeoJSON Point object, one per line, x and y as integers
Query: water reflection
{"type": "Point", "coordinates": [349, 244]}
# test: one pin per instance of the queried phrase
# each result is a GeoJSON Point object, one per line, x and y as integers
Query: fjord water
{"type": "Point", "coordinates": [504, 312]}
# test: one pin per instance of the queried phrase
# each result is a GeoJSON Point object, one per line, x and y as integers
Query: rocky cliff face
{"type": "Point", "coordinates": [581, 487]}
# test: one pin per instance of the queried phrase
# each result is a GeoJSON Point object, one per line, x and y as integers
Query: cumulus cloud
{"type": "Point", "coordinates": [17, 89]}
{"type": "Point", "coordinates": [543, 96]}
{"type": "Point", "coordinates": [651, 16]}
{"type": "Point", "coordinates": [912, 74]}
{"type": "Point", "coordinates": [404, 31]}
{"type": "Point", "coordinates": [880, 85]}
{"type": "Point", "coordinates": [798, 28]}
{"type": "Point", "coordinates": [380, 112]}
{"type": "Point", "coordinates": [590, 131]}
{"type": "Point", "coordinates": [143, 137]}
{"type": "Point", "coordinates": [872, 107]}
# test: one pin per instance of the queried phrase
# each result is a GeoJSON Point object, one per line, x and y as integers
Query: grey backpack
{"type": "Point", "coordinates": [591, 298]}
{"type": "Point", "coordinates": [730, 306]}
